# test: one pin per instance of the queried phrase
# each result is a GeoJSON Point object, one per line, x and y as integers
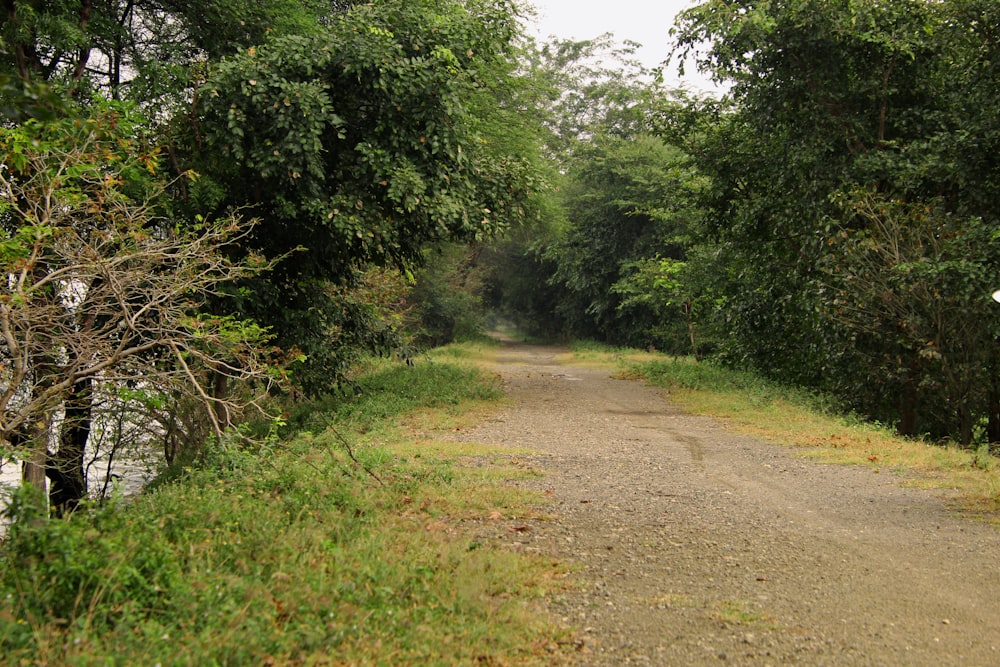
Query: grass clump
{"type": "Point", "coordinates": [344, 543]}
{"type": "Point", "coordinates": [812, 423]}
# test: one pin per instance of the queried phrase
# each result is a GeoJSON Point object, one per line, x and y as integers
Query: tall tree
{"type": "Point", "coordinates": [573, 93]}
{"type": "Point", "coordinates": [844, 123]}
{"type": "Point", "coordinates": [357, 146]}
{"type": "Point", "coordinates": [628, 201]}
{"type": "Point", "coordinates": [141, 49]}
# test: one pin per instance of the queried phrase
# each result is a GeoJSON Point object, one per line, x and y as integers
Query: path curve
{"type": "Point", "coordinates": [693, 545]}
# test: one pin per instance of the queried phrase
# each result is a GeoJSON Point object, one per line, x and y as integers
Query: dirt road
{"type": "Point", "coordinates": [698, 546]}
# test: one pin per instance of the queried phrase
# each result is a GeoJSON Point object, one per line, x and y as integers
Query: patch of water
{"type": "Point", "coordinates": [127, 477]}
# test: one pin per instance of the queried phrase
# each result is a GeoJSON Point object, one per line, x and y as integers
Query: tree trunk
{"type": "Point", "coordinates": [966, 422]}
{"type": "Point", "coordinates": [908, 408]}
{"type": "Point", "coordinates": [33, 469]}
{"type": "Point", "coordinates": [220, 393]}
{"type": "Point", "coordinates": [66, 468]}
{"type": "Point", "coordinates": [39, 428]}
{"type": "Point", "coordinates": [690, 325]}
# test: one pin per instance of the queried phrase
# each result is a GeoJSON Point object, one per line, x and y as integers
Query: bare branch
{"type": "Point", "coordinates": [99, 286]}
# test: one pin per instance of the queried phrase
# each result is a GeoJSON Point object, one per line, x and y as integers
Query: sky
{"type": "Point", "coordinates": [645, 21]}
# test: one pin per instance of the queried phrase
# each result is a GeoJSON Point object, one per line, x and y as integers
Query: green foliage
{"type": "Point", "coordinates": [20, 101]}
{"type": "Point", "coordinates": [358, 132]}
{"type": "Point", "coordinates": [362, 145]}
{"type": "Point", "coordinates": [446, 298]}
{"type": "Point", "coordinates": [569, 93]}
{"type": "Point", "coordinates": [584, 87]}
{"type": "Point", "coordinates": [674, 294]}
{"type": "Point", "coordinates": [85, 575]}
{"type": "Point", "coordinates": [911, 283]}
{"type": "Point", "coordinates": [629, 201]}
{"type": "Point", "coordinates": [327, 327]}
{"type": "Point", "coordinates": [856, 97]}
{"type": "Point", "coordinates": [517, 286]}
{"type": "Point", "coordinates": [359, 139]}
{"type": "Point", "coordinates": [144, 50]}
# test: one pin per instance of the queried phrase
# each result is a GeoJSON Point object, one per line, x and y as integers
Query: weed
{"type": "Point", "coordinates": [293, 553]}
{"type": "Point", "coordinates": [737, 612]}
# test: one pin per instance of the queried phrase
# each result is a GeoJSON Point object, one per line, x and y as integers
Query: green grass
{"type": "Point", "coordinates": [299, 553]}
{"type": "Point", "coordinates": [812, 424]}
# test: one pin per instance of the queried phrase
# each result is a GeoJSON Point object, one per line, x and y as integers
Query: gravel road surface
{"type": "Point", "coordinates": [693, 545]}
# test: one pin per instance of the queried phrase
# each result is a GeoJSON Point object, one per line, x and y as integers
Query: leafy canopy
{"type": "Point", "coordinates": [362, 145]}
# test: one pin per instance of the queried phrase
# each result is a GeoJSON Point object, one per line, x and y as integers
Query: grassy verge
{"type": "Point", "coordinates": [358, 539]}
{"type": "Point", "coordinates": [807, 422]}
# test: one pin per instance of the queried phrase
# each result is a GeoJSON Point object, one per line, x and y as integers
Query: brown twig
{"type": "Point", "coordinates": [350, 453]}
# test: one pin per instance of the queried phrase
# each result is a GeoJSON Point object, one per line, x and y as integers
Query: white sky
{"type": "Point", "coordinates": [645, 21]}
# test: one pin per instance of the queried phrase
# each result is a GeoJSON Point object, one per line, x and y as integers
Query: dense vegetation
{"type": "Point", "coordinates": [210, 212]}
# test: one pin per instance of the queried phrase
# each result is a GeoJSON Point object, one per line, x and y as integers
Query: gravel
{"type": "Point", "coordinates": [692, 545]}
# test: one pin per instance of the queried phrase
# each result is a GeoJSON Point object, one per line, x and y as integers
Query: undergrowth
{"type": "Point", "coordinates": [342, 543]}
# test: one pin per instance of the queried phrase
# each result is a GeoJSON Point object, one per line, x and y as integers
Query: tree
{"type": "Point", "coordinates": [103, 290]}
{"type": "Point", "coordinates": [140, 49]}
{"type": "Point", "coordinates": [868, 103]}
{"type": "Point", "coordinates": [360, 146]}
{"type": "Point", "coordinates": [580, 88]}
{"type": "Point", "coordinates": [588, 101]}
{"type": "Point", "coordinates": [909, 282]}
{"type": "Point", "coordinates": [445, 301]}
{"type": "Point", "coordinates": [628, 201]}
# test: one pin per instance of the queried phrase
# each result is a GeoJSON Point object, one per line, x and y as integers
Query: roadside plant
{"type": "Point", "coordinates": [910, 283]}
{"type": "Point", "coordinates": [102, 289]}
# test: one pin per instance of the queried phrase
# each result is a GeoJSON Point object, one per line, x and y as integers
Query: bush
{"type": "Point", "coordinates": [94, 569]}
